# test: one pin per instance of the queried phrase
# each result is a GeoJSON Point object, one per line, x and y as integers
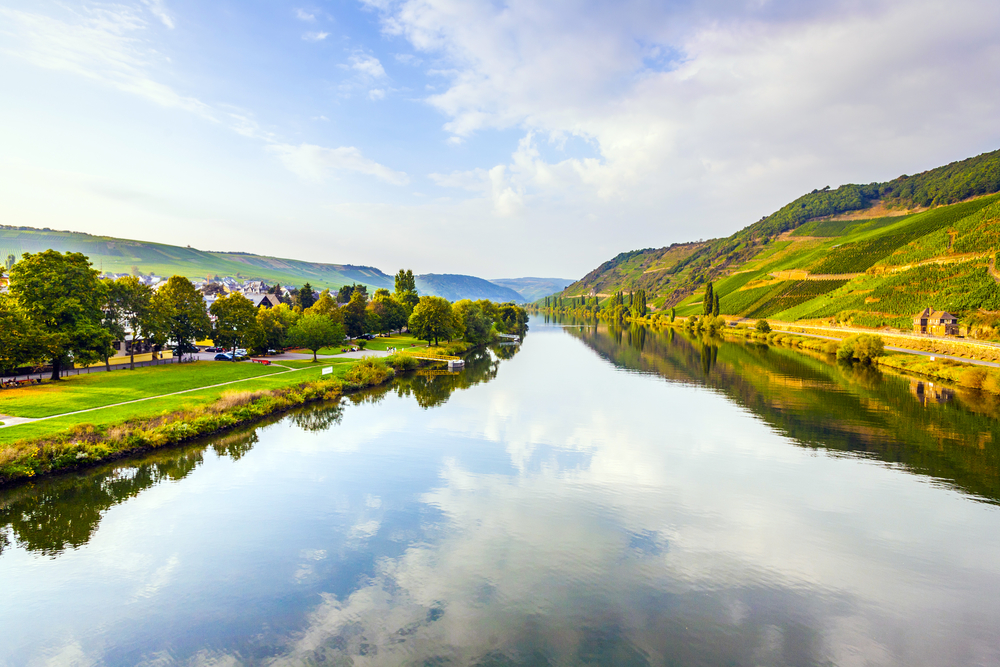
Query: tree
{"type": "Point", "coordinates": [11, 260]}
{"type": "Point", "coordinates": [763, 326]}
{"type": "Point", "coordinates": [432, 319]}
{"type": "Point", "coordinates": [391, 313]}
{"type": "Point", "coordinates": [344, 293]}
{"type": "Point", "coordinates": [18, 337]}
{"type": "Point", "coordinates": [354, 313]}
{"type": "Point", "coordinates": [274, 324]}
{"type": "Point", "coordinates": [715, 305]}
{"type": "Point", "coordinates": [673, 314]}
{"type": "Point", "coordinates": [129, 310]}
{"type": "Point", "coordinates": [61, 296]}
{"type": "Point", "coordinates": [474, 324]}
{"type": "Point", "coordinates": [236, 322]}
{"type": "Point", "coordinates": [180, 313]}
{"type": "Point", "coordinates": [314, 332]}
{"type": "Point", "coordinates": [306, 298]}
{"type": "Point", "coordinates": [709, 300]}
{"type": "Point", "coordinates": [638, 307]}
{"type": "Point", "coordinates": [406, 290]}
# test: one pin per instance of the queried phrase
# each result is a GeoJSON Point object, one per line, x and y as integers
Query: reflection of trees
{"type": "Point", "coordinates": [64, 512]}
{"type": "Point", "coordinates": [317, 416]}
{"type": "Point", "coordinates": [954, 435]}
{"type": "Point", "coordinates": [431, 388]}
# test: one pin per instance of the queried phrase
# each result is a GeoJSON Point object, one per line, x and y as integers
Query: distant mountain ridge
{"type": "Point", "coordinates": [114, 255]}
{"type": "Point", "coordinates": [533, 289]}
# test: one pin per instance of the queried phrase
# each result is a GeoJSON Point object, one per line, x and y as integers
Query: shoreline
{"type": "Point", "coordinates": [86, 445]}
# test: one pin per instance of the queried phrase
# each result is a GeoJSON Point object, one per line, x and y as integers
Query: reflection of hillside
{"type": "Point", "coordinates": [943, 433]}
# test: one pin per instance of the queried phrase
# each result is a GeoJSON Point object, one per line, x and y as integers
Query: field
{"type": "Point", "coordinates": [106, 389]}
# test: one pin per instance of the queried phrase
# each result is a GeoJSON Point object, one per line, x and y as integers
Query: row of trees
{"type": "Point", "coordinates": [58, 311]}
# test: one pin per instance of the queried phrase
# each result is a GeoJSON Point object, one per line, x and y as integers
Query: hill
{"type": "Point", "coordinates": [115, 255]}
{"type": "Point", "coordinates": [455, 287]}
{"type": "Point", "coordinates": [532, 289]}
{"type": "Point", "coordinates": [872, 255]}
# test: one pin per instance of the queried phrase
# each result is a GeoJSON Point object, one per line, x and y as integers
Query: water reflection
{"type": "Point", "coordinates": [950, 434]}
{"type": "Point", "coordinates": [576, 509]}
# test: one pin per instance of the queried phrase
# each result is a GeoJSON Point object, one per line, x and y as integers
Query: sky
{"type": "Point", "coordinates": [498, 139]}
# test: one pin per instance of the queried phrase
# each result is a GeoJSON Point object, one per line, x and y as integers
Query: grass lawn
{"type": "Point", "coordinates": [396, 340]}
{"type": "Point", "coordinates": [80, 392]}
{"type": "Point", "coordinates": [257, 377]}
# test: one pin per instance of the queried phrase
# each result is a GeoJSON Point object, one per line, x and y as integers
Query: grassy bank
{"type": "Point", "coordinates": [138, 428]}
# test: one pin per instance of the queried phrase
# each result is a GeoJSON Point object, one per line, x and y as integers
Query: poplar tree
{"type": "Point", "coordinates": [715, 306]}
{"type": "Point", "coordinates": [706, 306]}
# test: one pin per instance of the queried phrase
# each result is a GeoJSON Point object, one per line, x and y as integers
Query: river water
{"type": "Point", "coordinates": [599, 497]}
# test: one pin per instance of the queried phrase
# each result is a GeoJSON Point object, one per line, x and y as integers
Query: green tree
{"type": "Point", "coordinates": [432, 319]}
{"type": "Point", "coordinates": [390, 313]}
{"type": "Point", "coordinates": [62, 297]}
{"type": "Point", "coordinates": [129, 310]}
{"type": "Point", "coordinates": [180, 313]}
{"type": "Point", "coordinates": [715, 305]}
{"type": "Point", "coordinates": [11, 260]}
{"type": "Point", "coordinates": [406, 290]}
{"type": "Point", "coordinates": [306, 298]}
{"type": "Point", "coordinates": [344, 293]}
{"type": "Point", "coordinates": [763, 326]}
{"type": "Point", "coordinates": [673, 314]}
{"type": "Point", "coordinates": [639, 307]}
{"type": "Point", "coordinates": [18, 338]}
{"type": "Point", "coordinates": [236, 323]}
{"type": "Point", "coordinates": [314, 332]}
{"type": "Point", "coordinates": [709, 300]}
{"type": "Point", "coordinates": [475, 325]}
{"type": "Point", "coordinates": [861, 347]}
{"type": "Point", "coordinates": [354, 313]}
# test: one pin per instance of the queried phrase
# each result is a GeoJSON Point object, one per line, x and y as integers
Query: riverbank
{"type": "Point", "coordinates": [87, 444]}
{"type": "Point", "coordinates": [961, 373]}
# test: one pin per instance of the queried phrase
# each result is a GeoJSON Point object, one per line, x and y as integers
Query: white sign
{"type": "Point", "coordinates": [327, 370]}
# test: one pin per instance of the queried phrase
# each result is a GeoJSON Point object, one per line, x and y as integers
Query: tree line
{"type": "Point", "coordinates": [59, 312]}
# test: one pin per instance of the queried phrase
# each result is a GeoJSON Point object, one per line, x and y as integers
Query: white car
{"type": "Point", "coordinates": [240, 352]}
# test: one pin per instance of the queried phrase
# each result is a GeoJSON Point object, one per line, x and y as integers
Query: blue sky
{"type": "Point", "coordinates": [499, 139]}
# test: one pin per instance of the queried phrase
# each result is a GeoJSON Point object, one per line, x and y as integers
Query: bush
{"type": "Point", "coordinates": [831, 346]}
{"type": "Point", "coordinates": [861, 347]}
{"type": "Point", "coordinates": [369, 372]}
{"type": "Point", "coordinates": [763, 326]}
{"type": "Point", "coordinates": [401, 362]}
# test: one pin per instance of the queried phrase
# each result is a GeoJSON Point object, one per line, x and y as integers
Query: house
{"type": "Point", "coordinates": [264, 300]}
{"type": "Point", "coordinates": [936, 322]}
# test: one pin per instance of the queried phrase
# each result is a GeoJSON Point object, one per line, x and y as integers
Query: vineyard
{"type": "Point", "coordinates": [893, 299]}
{"type": "Point", "coordinates": [865, 253]}
{"type": "Point", "coordinates": [834, 228]}
{"type": "Point", "coordinates": [765, 301]}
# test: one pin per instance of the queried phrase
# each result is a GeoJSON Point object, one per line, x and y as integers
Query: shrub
{"type": "Point", "coordinates": [368, 372]}
{"type": "Point", "coordinates": [831, 346]}
{"type": "Point", "coordinates": [861, 347]}
{"type": "Point", "coordinates": [763, 326]}
{"type": "Point", "coordinates": [401, 362]}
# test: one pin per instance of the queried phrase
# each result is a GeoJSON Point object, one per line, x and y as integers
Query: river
{"type": "Point", "coordinates": [600, 497]}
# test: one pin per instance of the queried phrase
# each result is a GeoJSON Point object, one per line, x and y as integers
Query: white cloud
{"type": "Point", "coordinates": [367, 65]}
{"type": "Point", "coordinates": [712, 114]}
{"type": "Point", "coordinates": [158, 9]}
{"type": "Point", "coordinates": [315, 162]}
{"type": "Point", "coordinates": [103, 43]}
{"type": "Point", "coordinates": [407, 59]}
{"type": "Point", "coordinates": [376, 94]}
{"type": "Point", "coordinates": [315, 36]}
{"type": "Point", "coordinates": [303, 15]}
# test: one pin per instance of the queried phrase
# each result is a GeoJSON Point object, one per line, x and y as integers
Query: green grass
{"type": "Point", "coordinates": [157, 406]}
{"type": "Point", "coordinates": [80, 392]}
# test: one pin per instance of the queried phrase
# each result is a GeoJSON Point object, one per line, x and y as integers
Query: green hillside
{"type": "Point", "coordinates": [115, 255]}
{"type": "Point", "coordinates": [871, 255]}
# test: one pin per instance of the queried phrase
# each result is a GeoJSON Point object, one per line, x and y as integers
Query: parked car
{"type": "Point", "coordinates": [240, 352]}
{"type": "Point", "coordinates": [270, 351]}
{"type": "Point", "coordinates": [367, 336]}
{"type": "Point", "coordinates": [213, 349]}
{"type": "Point", "coordinates": [224, 356]}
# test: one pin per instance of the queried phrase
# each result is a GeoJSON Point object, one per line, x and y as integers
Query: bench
{"type": "Point", "coordinates": [266, 362]}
